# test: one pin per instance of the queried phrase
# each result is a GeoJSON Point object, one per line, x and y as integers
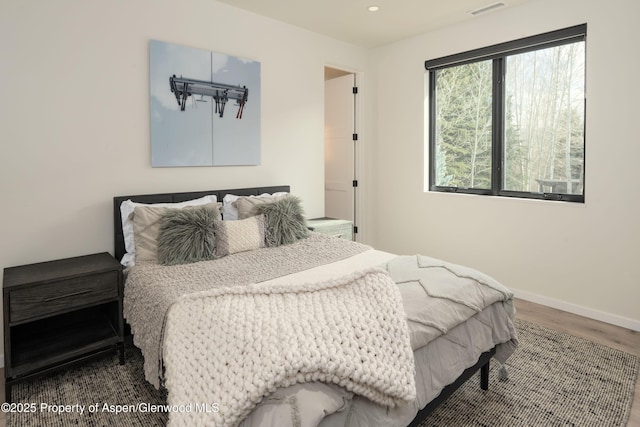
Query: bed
{"type": "Point", "coordinates": [377, 357]}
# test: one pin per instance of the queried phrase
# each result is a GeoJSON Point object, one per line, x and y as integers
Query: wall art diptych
{"type": "Point", "coordinates": [204, 107]}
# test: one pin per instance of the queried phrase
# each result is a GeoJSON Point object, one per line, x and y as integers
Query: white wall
{"type": "Point", "coordinates": [75, 113]}
{"type": "Point", "coordinates": [578, 257]}
{"type": "Point", "coordinates": [75, 132]}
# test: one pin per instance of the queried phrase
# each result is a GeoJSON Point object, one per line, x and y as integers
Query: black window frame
{"type": "Point", "coordinates": [497, 53]}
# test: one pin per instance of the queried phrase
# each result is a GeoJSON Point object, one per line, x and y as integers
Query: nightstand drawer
{"type": "Point", "coordinates": [56, 297]}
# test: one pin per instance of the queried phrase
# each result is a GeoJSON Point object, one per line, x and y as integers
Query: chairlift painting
{"type": "Point", "coordinates": [191, 94]}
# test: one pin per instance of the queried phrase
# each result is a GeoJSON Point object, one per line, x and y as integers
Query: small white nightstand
{"type": "Point", "coordinates": [341, 228]}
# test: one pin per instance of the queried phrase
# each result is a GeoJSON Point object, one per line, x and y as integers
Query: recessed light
{"type": "Point", "coordinates": [373, 8]}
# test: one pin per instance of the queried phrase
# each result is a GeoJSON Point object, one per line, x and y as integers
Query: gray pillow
{"type": "Point", "coordinates": [245, 205]}
{"type": "Point", "coordinates": [284, 220]}
{"type": "Point", "coordinates": [187, 235]}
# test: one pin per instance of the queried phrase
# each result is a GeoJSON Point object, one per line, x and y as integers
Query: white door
{"type": "Point", "coordinates": [339, 147]}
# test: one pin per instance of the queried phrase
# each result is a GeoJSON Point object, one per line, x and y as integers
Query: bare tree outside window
{"type": "Point", "coordinates": [509, 119]}
{"type": "Point", "coordinates": [544, 140]}
{"type": "Point", "coordinates": [463, 127]}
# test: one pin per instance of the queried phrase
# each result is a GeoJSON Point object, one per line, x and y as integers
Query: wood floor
{"type": "Point", "coordinates": [602, 333]}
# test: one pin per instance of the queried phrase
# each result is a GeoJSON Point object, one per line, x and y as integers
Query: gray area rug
{"type": "Point", "coordinates": [555, 379]}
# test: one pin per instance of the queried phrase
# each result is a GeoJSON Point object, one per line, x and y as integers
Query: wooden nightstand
{"type": "Point", "coordinates": [60, 312]}
{"type": "Point", "coordinates": [334, 227]}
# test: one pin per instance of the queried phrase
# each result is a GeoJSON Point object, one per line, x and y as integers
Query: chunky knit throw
{"type": "Point", "coordinates": [234, 346]}
{"type": "Point", "coordinates": [151, 288]}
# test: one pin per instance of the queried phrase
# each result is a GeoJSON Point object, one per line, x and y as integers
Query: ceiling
{"type": "Point", "coordinates": [350, 21]}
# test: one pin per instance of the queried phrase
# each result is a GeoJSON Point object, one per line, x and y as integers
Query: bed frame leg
{"type": "Point", "coordinates": [484, 376]}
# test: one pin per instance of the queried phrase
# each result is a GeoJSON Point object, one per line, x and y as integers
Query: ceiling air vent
{"type": "Point", "coordinates": [487, 8]}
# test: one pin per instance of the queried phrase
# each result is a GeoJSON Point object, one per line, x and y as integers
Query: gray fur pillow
{"type": "Point", "coordinates": [187, 235]}
{"type": "Point", "coordinates": [284, 220]}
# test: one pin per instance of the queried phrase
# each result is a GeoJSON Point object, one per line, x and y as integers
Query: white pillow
{"type": "Point", "coordinates": [126, 209]}
{"type": "Point", "coordinates": [230, 210]}
{"type": "Point", "coordinates": [239, 236]}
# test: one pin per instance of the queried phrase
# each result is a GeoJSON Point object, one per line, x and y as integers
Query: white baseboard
{"type": "Point", "coordinates": [579, 310]}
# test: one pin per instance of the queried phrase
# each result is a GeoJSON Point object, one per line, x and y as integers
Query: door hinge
{"type": "Point", "coordinates": [355, 136]}
{"type": "Point", "coordinates": [355, 90]}
{"type": "Point", "coordinates": [355, 229]}
{"type": "Point", "coordinates": [355, 182]}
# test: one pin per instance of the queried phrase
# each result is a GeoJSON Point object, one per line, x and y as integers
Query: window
{"type": "Point", "coordinates": [509, 119]}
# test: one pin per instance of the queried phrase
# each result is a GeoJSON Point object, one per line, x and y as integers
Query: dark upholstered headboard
{"type": "Point", "coordinates": [175, 198]}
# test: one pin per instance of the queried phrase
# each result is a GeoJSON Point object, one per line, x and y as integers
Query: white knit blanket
{"type": "Point", "coordinates": [152, 288]}
{"type": "Point", "coordinates": [228, 348]}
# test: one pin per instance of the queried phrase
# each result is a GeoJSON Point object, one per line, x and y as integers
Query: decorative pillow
{"type": "Point", "coordinates": [230, 209]}
{"type": "Point", "coordinates": [245, 205]}
{"type": "Point", "coordinates": [146, 227]}
{"type": "Point", "coordinates": [239, 236]}
{"type": "Point", "coordinates": [187, 235]}
{"type": "Point", "coordinates": [284, 220]}
{"type": "Point", "coordinates": [126, 209]}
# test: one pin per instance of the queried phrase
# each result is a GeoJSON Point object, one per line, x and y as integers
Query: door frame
{"type": "Point", "coordinates": [359, 164]}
